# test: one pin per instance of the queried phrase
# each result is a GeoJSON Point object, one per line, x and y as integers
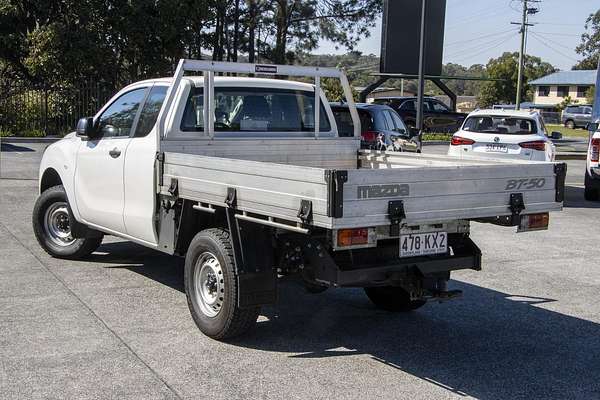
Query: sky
{"type": "Point", "coordinates": [478, 30]}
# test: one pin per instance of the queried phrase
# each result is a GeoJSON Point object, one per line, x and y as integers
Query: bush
{"type": "Point", "coordinates": [5, 133]}
{"type": "Point", "coordinates": [34, 133]}
{"type": "Point", "coordinates": [446, 137]}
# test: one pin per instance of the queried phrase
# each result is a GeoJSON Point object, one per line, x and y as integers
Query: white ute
{"type": "Point", "coordinates": [592, 171]}
{"type": "Point", "coordinates": [248, 180]}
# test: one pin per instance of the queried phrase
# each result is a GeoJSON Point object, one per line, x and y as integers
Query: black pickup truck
{"type": "Point", "coordinates": [438, 117]}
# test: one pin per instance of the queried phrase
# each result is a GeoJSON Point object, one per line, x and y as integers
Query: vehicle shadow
{"type": "Point", "coordinates": [8, 147]}
{"type": "Point", "coordinates": [489, 345]}
{"type": "Point", "coordinates": [574, 198]}
{"type": "Point", "coordinates": [152, 264]}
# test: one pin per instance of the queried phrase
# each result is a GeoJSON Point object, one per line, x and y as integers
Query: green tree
{"type": "Point", "coordinates": [590, 95]}
{"type": "Point", "coordinates": [505, 69]}
{"type": "Point", "coordinates": [589, 48]}
{"type": "Point", "coordinates": [297, 25]}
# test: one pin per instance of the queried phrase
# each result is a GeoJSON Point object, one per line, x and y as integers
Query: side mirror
{"type": "Point", "coordinates": [592, 126]}
{"type": "Point", "coordinates": [556, 135]}
{"type": "Point", "coordinates": [86, 128]}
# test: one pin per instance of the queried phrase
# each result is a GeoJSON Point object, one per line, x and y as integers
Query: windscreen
{"type": "Point", "coordinates": [500, 125]}
{"type": "Point", "coordinates": [248, 109]}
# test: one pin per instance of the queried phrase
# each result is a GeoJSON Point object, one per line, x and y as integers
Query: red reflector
{"type": "Point", "coordinates": [535, 145]}
{"type": "Point", "coordinates": [459, 141]}
{"type": "Point", "coordinates": [595, 150]}
{"type": "Point", "coordinates": [370, 136]}
{"type": "Point", "coordinates": [350, 237]}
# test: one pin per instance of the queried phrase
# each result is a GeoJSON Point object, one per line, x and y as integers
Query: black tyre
{"type": "Point", "coordinates": [570, 124]}
{"type": "Point", "coordinates": [591, 193]}
{"type": "Point", "coordinates": [391, 298]}
{"type": "Point", "coordinates": [51, 225]}
{"type": "Point", "coordinates": [211, 287]}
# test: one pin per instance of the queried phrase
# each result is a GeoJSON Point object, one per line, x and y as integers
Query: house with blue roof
{"type": "Point", "coordinates": [554, 88]}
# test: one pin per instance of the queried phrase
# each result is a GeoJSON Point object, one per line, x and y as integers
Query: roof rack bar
{"type": "Point", "coordinates": [208, 69]}
{"type": "Point", "coordinates": [267, 69]}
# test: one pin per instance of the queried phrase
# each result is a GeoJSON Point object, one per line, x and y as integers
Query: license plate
{"type": "Point", "coordinates": [496, 148]}
{"type": "Point", "coordinates": [422, 244]}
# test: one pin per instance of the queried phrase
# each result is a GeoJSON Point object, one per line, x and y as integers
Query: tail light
{"type": "Point", "coordinates": [534, 222]}
{"type": "Point", "coordinates": [370, 136]}
{"type": "Point", "coordinates": [459, 141]}
{"type": "Point", "coordinates": [595, 150]}
{"type": "Point", "coordinates": [535, 145]}
{"type": "Point", "coordinates": [356, 237]}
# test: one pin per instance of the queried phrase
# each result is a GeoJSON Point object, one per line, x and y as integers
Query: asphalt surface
{"type": "Point", "coordinates": [117, 324]}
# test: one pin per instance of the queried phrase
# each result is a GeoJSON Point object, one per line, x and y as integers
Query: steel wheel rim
{"type": "Point", "coordinates": [57, 224]}
{"type": "Point", "coordinates": [209, 284]}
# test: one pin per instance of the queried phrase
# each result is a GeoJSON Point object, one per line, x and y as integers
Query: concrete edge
{"type": "Point", "coordinates": [571, 155]}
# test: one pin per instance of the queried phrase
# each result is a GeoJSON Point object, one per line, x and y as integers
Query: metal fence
{"type": "Point", "coordinates": [28, 110]}
{"type": "Point", "coordinates": [551, 117]}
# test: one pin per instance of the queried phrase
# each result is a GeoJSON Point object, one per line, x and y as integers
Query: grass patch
{"type": "Point", "coordinates": [580, 133]}
{"type": "Point", "coordinates": [427, 137]}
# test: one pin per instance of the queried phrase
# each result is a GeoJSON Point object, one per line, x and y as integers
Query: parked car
{"type": "Point", "coordinates": [381, 127]}
{"type": "Point", "coordinates": [576, 116]}
{"type": "Point", "coordinates": [437, 117]}
{"type": "Point", "coordinates": [592, 173]}
{"type": "Point", "coordinates": [506, 134]}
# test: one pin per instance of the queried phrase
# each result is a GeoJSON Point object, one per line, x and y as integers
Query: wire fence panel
{"type": "Point", "coordinates": [551, 117]}
{"type": "Point", "coordinates": [29, 110]}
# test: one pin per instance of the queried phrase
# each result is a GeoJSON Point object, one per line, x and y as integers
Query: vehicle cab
{"type": "Point", "coordinates": [504, 134]}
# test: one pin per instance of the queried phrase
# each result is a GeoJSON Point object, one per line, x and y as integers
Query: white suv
{"type": "Point", "coordinates": [504, 134]}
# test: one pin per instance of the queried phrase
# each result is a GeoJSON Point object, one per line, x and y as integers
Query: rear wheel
{"type": "Point", "coordinates": [392, 298]}
{"type": "Point", "coordinates": [52, 227]}
{"type": "Point", "coordinates": [570, 124]}
{"type": "Point", "coordinates": [211, 287]}
{"type": "Point", "coordinates": [591, 193]}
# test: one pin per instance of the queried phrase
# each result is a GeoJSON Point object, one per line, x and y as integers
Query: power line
{"type": "Point", "coordinates": [487, 49]}
{"type": "Point", "coordinates": [536, 37]}
{"type": "Point", "coordinates": [492, 42]}
{"type": "Point", "coordinates": [558, 34]}
{"type": "Point", "coordinates": [552, 41]}
{"type": "Point", "coordinates": [478, 37]}
{"type": "Point", "coordinates": [556, 23]}
{"type": "Point", "coordinates": [487, 13]}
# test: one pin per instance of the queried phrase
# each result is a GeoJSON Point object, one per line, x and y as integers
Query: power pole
{"type": "Point", "coordinates": [421, 74]}
{"type": "Point", "coordinates": [523, 32]}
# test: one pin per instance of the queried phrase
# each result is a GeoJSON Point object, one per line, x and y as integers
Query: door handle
{"type": "Point", "coordinates": [114, 153]}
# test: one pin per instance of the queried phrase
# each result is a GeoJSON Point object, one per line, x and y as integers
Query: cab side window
{"type": "Point", "coordinates": [439, 107]}
{"type": "Point", "coordinates": [408, 105]}
{"type": "Point", "coordinates": [118, 118]}
{"type": "Point", "coordinates": [150, 110]}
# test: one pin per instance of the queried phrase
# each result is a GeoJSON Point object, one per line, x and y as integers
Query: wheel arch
{"type": "Point", "coordinates": [50, 178]}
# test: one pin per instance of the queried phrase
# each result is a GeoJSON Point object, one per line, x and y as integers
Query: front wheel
{"type": "Point", "coordinates": [392, 298]}
{"type": "Point", "coordinates": [211, 287]}
{"type": "Point", "coordinates": [52, 227]}
{"type": "Point", "coordinates": [570, 124]}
